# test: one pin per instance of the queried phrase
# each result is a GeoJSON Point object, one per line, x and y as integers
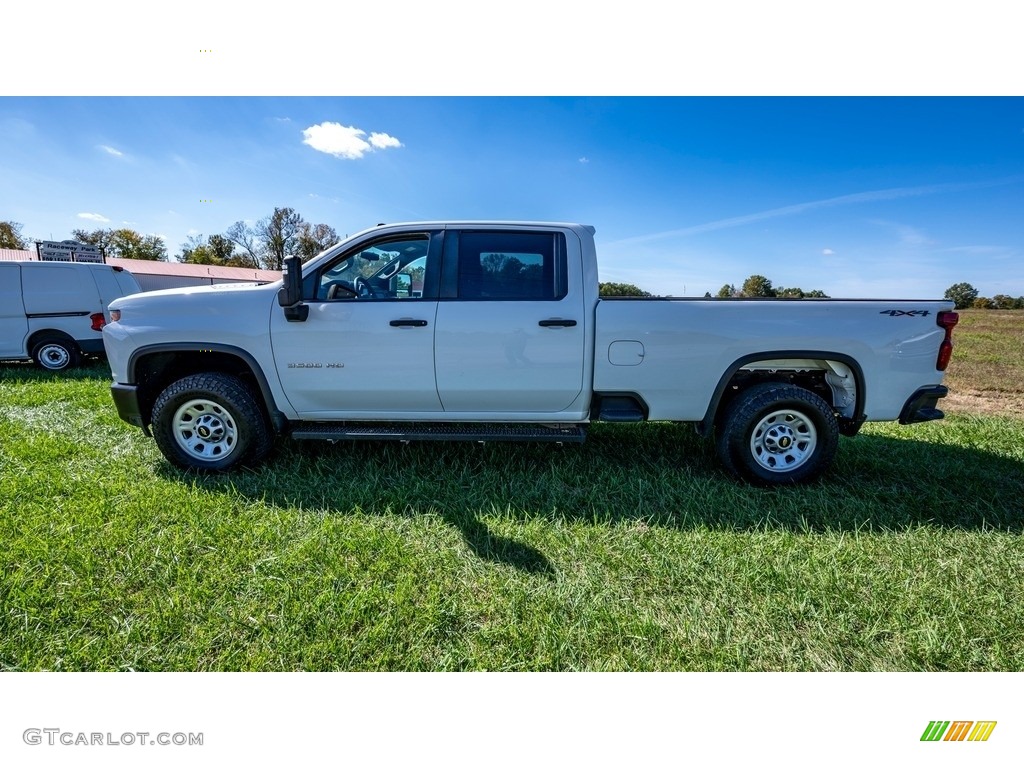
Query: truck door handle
{"type": "Point", "coordinates": [408, 323]}
{"type": "Point", "coordinates": [556, 323]}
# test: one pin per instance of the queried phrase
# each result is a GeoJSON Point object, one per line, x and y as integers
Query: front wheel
{"type": "Point", "coordinates": [209, 422]}
{"type": "Point", "coordinates": [778, 434]}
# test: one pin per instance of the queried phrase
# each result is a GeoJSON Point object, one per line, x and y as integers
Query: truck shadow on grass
{"type": "Point", "coordinates": [658, 474]}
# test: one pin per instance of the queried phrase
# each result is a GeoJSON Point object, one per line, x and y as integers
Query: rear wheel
{"type": "Point", "coordinates": [209, 422]}
{"type": "Point", "coordinates": [55, 353]}
{"type": "Point", "coordinates": [778, 434]}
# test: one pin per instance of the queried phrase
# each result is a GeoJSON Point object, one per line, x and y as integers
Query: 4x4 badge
{"type": "Point", "coordinates": [905, 312]}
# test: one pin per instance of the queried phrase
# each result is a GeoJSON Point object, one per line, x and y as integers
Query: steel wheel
{"type": "Point", "coordinates": [205, 430]}
{"type": "Point", "coordinates": [783, 440]}
{"type": "Point", "coordinates": [55, 354]}
{"type": "Point", "coordinates": [210, 422]}
{"type": "Point", "coordinates": [777, 434]}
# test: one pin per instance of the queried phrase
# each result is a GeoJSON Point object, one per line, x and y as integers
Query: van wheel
{"type": "Point", "coordinates": [209, 422]}
{"type": "Point", "coordinates": [778, 434]}
{"type": "Point", "coordinates": [55, 354]}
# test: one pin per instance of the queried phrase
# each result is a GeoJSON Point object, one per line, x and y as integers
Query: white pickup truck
{"type": "Point", "coordinates": [495, 331]}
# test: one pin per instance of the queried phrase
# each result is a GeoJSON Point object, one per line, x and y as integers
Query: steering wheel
{"type": "Point", "coordinates": [357, 289]}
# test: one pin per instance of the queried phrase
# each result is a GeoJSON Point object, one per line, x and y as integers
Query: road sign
{"type": "Point", "coordinates": [68, 250]}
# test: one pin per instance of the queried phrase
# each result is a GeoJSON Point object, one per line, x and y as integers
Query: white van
{"type": "Point", "coordinates": [53, 311]}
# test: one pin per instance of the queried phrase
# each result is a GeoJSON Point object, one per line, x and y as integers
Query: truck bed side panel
{"type": "Point", "coordinates": [688, 345]}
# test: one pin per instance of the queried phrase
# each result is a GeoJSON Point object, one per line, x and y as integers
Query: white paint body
{"type": "Point", "coordinates": [492, 361]}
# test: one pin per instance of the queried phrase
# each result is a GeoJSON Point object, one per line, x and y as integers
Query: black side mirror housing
{"type": "Point", "coordinates": [290, 294]}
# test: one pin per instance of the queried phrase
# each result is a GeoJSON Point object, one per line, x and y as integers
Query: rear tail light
{"type": "Point", "coordinates": [98, 321]}
{"type": "Point", "coordinates": [946, 321]}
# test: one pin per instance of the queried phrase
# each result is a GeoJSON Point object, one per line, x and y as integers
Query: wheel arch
{"type": "Point", "coordinates": [154, 367]}
{"type": "Point", "coordinates": [47, 333]}
{"type": "Point", "coordinates": [732, 382]}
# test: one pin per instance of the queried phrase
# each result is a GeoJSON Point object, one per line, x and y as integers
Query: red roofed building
{"type": "Point", "coordinates": [155, 275]}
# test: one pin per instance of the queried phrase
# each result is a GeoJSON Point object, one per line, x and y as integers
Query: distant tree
{"type": "Point", "coordinates": [982, 303]}
{"type": "Point", "coordinates": [193, 251]}
{"type": "Point", "coordinates": [129, 244]}
{"type": "Point", "coordinates": [98, 237]}
{"type": "Point", "coordinates": [620, 289]}
{"type": "Point", "coordinates": [278, 235]}
{"type": "Point", "coordinates": [222, 248]}
{"type": "Point", "coordinates": [217, 250]}
{"type": "Point", "coordinates": [758, 286]}
{"type": "Point", "coordinates": [789, 293]}
{"type": "Point", "coordinates": [1002, 301]}
{"type": "Point", "coordinates": [963, 294]}
{"type": "Point", "coordinates": [10, 236]}
{"type": "Point", "coordinates": [314, 238]}
{"type": "Point", "coordinates": [124, 244]}
{"type": "Point", "coordinates": [1018, 303]}
{"type": "Point", "coordinates": [244, 236]}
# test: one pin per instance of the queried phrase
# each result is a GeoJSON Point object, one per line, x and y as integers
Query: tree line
{"type": "Point", "coordinates": [759, 286]}
{"type": "Point", "coordinates": [966, 296]}
{"type": "Point", "coordinates": [263, 245]}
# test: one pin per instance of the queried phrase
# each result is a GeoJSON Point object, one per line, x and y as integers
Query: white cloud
{"type": "Point", "coordinates": [345, 141]}
{"type": "Point", "coordinates": [383, 141]}
{"type": "Point", "coordinates": [584, 160]}
{"type": "Point", "coordinates": [111, 150]}
{"type": "Point", "coordinates": [94, 217]}
{"type": "Point", "coordinates": [828, 252]}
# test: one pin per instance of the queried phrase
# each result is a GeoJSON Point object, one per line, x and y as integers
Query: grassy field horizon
{"type": "Point", "coordinates": [633, 551]}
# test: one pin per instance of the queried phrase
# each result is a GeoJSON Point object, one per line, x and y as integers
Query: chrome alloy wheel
{"type": "Point", "coordinates": [205, 430]}
{"type": "Point", "coordinates": [783, 440]}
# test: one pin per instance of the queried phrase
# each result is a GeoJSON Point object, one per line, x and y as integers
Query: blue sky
{"type": "Point", "coordinates": [888, 197]}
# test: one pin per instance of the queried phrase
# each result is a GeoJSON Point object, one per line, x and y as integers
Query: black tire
{"type": "Point", "coordinates": [210, 422]}
{"type": "Point", "coordinates": [56, 353]}
{"type": "Point", "coordinates": [777, 434]}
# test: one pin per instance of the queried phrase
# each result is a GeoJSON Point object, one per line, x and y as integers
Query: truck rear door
{"type": "Point", "coordinates": [13, 323]}
{"type": "Point", "coordinates": [510, 324]}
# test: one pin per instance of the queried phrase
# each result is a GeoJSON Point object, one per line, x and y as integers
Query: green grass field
{"type": "Point", "coordinates": [631, 552]}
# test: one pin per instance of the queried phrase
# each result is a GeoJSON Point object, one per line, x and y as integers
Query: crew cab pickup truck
{"type": "Point", "coordinates": [495, 331]}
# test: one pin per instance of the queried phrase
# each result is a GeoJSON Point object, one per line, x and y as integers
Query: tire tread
{"type": "Point", "coordinates": [732, 435]}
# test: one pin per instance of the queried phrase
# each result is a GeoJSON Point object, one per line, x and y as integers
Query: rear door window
{"type": "Point", "coordinates": [511, 266]}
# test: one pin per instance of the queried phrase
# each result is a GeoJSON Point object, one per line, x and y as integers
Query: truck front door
{"type": "Point", "coordinates": [367, 347]}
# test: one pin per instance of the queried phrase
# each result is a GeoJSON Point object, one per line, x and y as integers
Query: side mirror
{"type": "Point", "coordinates": [401, 285]}
{"type": "Point", "coordinates": [290, 294]}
